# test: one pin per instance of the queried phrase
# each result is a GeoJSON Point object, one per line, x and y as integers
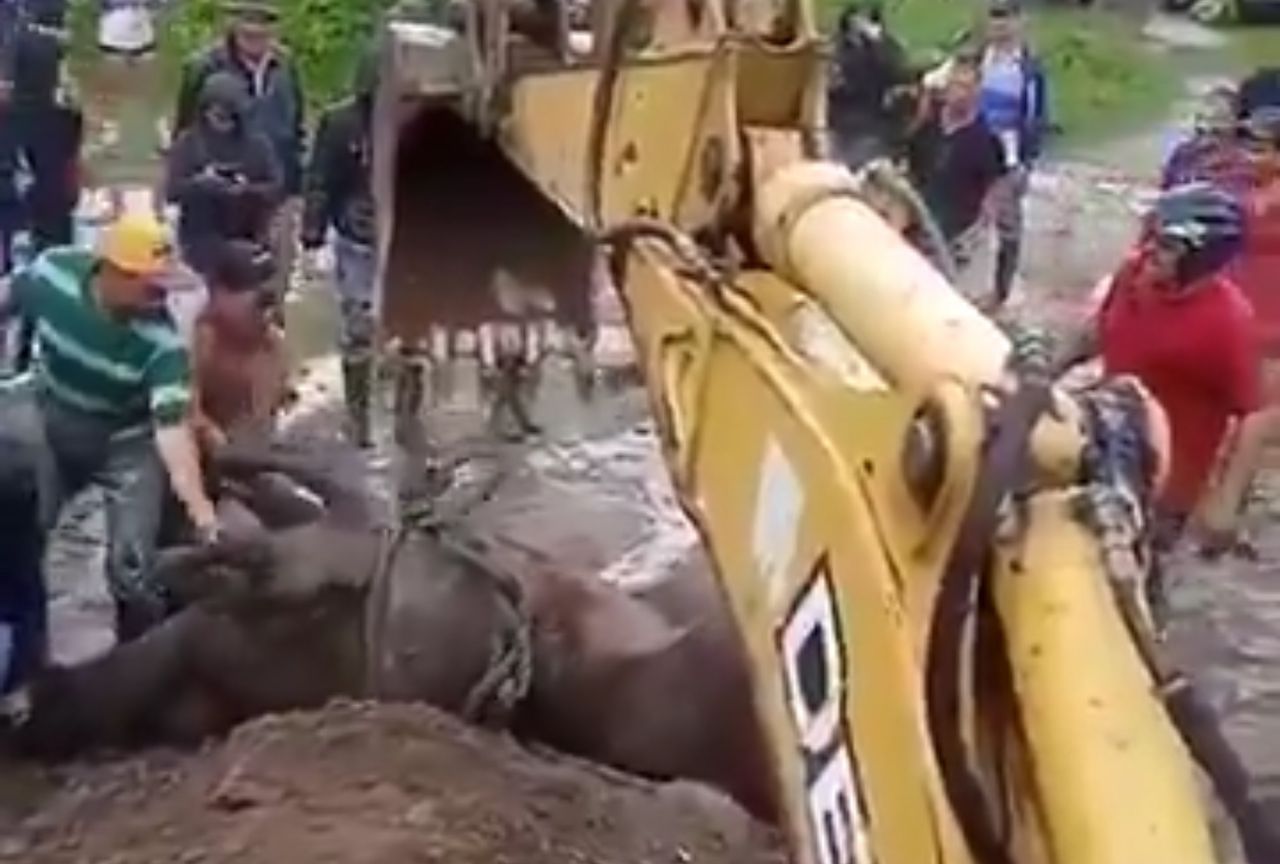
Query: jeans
{"type": "Point", "coordinates": [974, 254]}
{"type": "Point", "coordinates": [1008, 199]}
{"type": "Point", "coordinates": [71, 450]}
{"type": "Point", "coordinates": [355, 270]}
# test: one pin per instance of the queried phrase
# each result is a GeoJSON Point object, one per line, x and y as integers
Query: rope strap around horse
{"type": "Point", "coordinates": [508, 676]}
{"type": "Point", "coordinates": [1001, 483]}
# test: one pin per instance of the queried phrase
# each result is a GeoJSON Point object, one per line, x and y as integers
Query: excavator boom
{"type": "Point", "coordinates": [946, 653]}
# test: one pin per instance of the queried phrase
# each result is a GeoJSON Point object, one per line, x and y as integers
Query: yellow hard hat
{"type": "Point", "coordinates": [137, 243]}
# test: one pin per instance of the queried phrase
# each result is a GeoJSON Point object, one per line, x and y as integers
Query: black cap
{"type": "Point", "coordinates": [242, 265]}
{"type": "Point", "coordinates": [258, 11]}
{"type": "Point", "coordinates": [1001, 8]}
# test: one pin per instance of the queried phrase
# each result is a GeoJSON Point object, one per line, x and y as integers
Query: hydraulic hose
{"type": "Point", "coordinates": [1005, 462]}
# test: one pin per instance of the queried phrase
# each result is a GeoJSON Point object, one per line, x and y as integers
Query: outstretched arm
{"type": "Point", "coordinates": [168, 377]}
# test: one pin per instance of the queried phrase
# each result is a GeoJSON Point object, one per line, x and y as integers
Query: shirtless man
{"type": "Point", "coordinates": [240, 368]}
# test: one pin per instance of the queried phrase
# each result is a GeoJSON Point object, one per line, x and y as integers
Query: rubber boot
{"type": "Point", "coordinates": [409, 392]}
{"type": "Point", "coordinates": [1007, 254]}
{"type": "Point", "coordinates": [357, 382]}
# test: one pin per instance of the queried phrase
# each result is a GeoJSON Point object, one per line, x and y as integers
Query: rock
{"type": "Point", "coordinates": [1179, 32]}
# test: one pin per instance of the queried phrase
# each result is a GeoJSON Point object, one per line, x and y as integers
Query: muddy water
{"type": "Point", "coordinates": [1227, 629]}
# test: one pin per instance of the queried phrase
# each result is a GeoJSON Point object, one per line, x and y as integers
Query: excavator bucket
{"type": "Point", "coordinates": [469, 240]}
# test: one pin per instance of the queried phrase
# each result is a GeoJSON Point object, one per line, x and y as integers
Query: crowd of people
{"type": "Point", "coordinates": [1204, 320]}
{"type": "Point", "coordinates": [968, 131]}
{"type": "Point", "coordinates": [117, 391]}
{"type": "Point", "coordinates": [1192, 311]}
{"type": "Point", "coordinates": [124, 397]}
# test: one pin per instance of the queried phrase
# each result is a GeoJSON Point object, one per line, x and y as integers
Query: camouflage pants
{"type": "Point", "coordinates": [355, 269]}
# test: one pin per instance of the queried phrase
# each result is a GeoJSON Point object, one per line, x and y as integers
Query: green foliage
{"type": "Point", "coordinates": [1105, 80]}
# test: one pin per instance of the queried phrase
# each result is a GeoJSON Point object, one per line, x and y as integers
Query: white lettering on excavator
{"type": "Point", "coordinates": [813, 664]}
{"type": "Point", "coordinates": [779, 505]}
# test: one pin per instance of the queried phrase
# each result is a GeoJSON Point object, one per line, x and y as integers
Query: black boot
{"type": "Point", "coordinates": [1007, 256]}
{"type": "Point", "coordinates": [357, 382]}
{"type": "Point", "coordinates": [409, 433]}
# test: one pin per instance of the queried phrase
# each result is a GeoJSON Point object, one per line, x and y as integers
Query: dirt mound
{"type": "Point", "coordinates": [374, 784]}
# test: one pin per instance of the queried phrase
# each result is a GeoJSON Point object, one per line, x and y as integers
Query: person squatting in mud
{"type": "Point", "coordinates": [108, 402]}
{"type": "Point", "coordinates": [251, 53]}
{"type": "Point", "coordinates": [241, 377]}
{"type": "Point", "coordinates": [339, 199]}
{"type": "Point", "coordinates": [1173, 318]}
{"type": "Point", "coordinates": [222, 174]}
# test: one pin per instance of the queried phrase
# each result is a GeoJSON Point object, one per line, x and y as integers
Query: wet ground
{"type": "Point", "coordinates": [605, 504]}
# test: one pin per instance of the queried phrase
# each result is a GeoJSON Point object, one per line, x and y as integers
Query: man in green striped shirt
{"type": "Point", "coordinates": [112, 388]}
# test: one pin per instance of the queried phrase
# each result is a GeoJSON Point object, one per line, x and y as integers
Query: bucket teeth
{"type": "Point", "coordinates": [442, 372]}
{"type": "Point", "coordinates": [487, 346]}
{"type": "Point", "coordinates": [583, 359]}
{"type": "Point", "coordinates": [532, 344]}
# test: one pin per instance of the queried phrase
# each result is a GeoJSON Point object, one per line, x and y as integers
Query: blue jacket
{"type": "Point", "coordinates": [1034, 108]}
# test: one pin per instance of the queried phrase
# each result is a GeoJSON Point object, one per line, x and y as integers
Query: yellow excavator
{"type": "Point", "coordinates": [936, 556]}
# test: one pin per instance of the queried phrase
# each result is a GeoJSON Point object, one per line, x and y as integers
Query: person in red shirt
{"type": "Point", "coordinates": [1257, 271]}
{"type": "Point", "coordinates": [1173, 320]}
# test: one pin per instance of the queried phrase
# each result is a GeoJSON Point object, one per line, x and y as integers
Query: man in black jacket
{"type": "Point", "coordinates": [870, 73]}
{"type": "Point", "coordinates": [48, 125]}
{"type": "Point", "coordinates": [251, 52]}
{"type": "Point", "coordinates": [45, 129]}
{"type": "Point", "coordinates": [338, 197]}
{"type": "Point", "coordinates": [222, 174]}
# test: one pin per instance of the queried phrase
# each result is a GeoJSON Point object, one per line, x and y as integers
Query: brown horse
{"type": "Point", "coordinates": [294, 616]}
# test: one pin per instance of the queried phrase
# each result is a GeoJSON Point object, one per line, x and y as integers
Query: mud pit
{"type": "Point", "coordinates": [377, 785]}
